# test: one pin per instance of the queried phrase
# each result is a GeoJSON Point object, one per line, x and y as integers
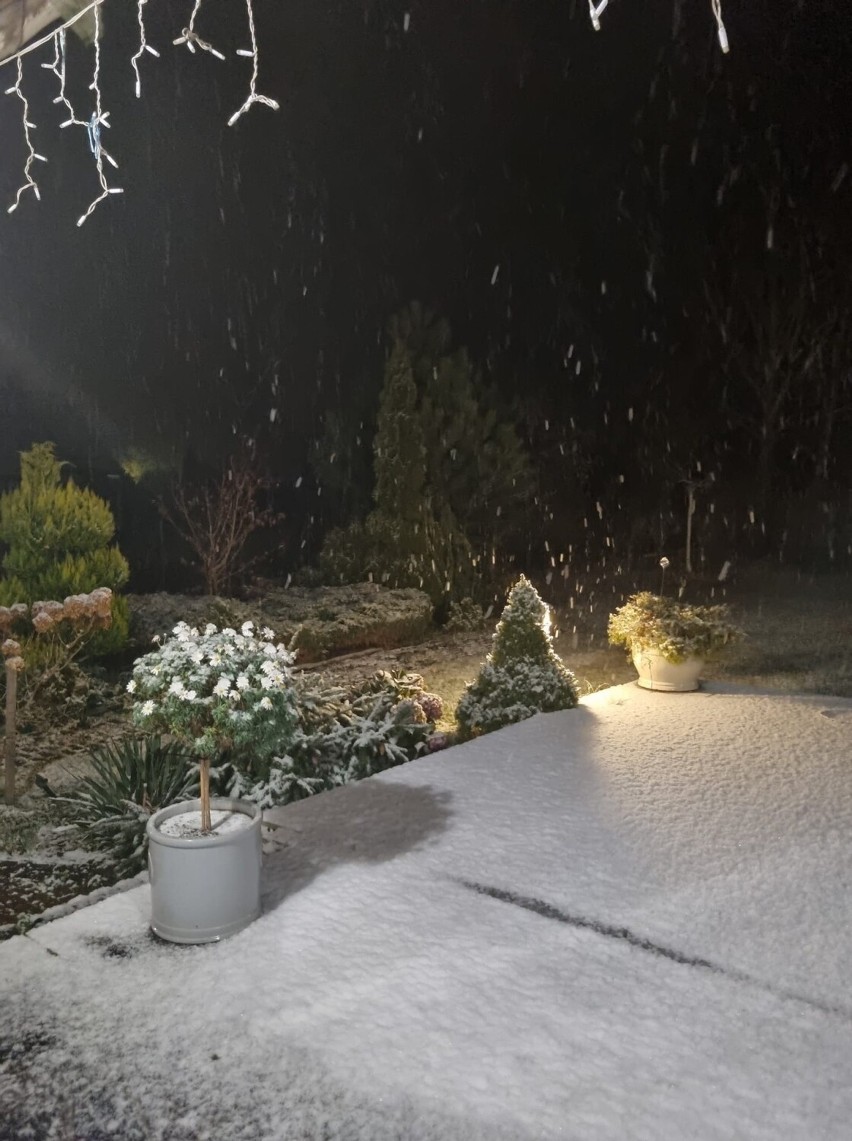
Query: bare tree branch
{"type": "Point", "coordinates": [217, 520]}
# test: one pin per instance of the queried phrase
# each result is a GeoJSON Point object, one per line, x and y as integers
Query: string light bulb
{"type": "Point", "coordinates": [720, 26]}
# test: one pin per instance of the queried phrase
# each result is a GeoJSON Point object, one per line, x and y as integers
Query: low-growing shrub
{"type": "Point", "coordinates": [317, 623]}
{"type": "Point", "coordinates": [465, 616]}
{"type": "Point", "coordinates": [394, 619]}
{"type": "Point", "coordinates": [344, 736]}
{"type": "Point", "coordinates": [41, 642]}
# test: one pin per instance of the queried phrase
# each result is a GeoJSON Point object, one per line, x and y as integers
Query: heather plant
{"type": "Point", "coordinates": [344, 735]}
{"type": "Point", "coordinates": [522, 675]}
{"type": "Point", "coordinates": [59, 540]}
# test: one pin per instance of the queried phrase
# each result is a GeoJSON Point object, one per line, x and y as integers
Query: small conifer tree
{"type": "Point", "coordinates": [475, 462]}
{"type": "Point", "coordinates": [402, 542]}
{"type": "Point", "coordinates": [58, 538]}
{"type": "Point", "coordinates": [522, 675]}
{"type": "Point", "coordinates": [400, 454]}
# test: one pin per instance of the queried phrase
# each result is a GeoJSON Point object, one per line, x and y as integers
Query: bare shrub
{"type": "Point", "coordinates": [218, 518]}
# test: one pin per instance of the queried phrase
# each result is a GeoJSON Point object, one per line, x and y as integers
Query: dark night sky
{"type": "Point", "coordinates": [609, 175]}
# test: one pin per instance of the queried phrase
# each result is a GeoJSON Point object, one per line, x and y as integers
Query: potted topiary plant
{"type": "Point", "coordinates": [522, 675]}
{"type": "Point", "coordinates": [668, 640]}
{"type": "Point", "coordinates": [212, 690]}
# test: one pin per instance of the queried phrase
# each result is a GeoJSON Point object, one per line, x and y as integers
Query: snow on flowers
{"type": "Point", "coordinates": [217, 689]}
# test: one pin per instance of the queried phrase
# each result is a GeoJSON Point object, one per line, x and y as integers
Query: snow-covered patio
{"type": "Point", "coordinates": [630, 920]}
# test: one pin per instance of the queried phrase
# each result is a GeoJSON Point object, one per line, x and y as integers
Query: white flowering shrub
{"type": "Point", "coordinates": [522, 675]}
{"type": "Point", "coordinates": [218, 690]}
{"type": "Point", "coordinates": [676, 630]}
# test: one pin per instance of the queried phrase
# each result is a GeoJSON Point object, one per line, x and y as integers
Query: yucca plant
{"type": "Point", "coordinates": [131, 779]}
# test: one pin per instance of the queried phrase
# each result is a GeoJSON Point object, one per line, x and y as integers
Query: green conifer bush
{"type": "Point", "coordinates": [475, 462]}
{"type": "Point", "coordinates": [402, 542]}
{"type": "Point", "coordinates": [452, 479]}
{"type": "Point", "coordinates": [58, 540]}
{"type": "Point", "coordinates": [522, 675]}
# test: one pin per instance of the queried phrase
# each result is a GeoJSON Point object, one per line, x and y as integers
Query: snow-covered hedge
{"type": "Point", "coordinates": [324, 620]}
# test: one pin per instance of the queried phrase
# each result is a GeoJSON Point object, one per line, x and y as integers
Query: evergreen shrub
{"type": "Point", "coordinates": [404, 540]}
{"type": "Point", "coordinates": [522, 675]}
{"type": "Point", "coordinates": [58, 538]}
{"type": "Point", "coordinates": [465, 616]}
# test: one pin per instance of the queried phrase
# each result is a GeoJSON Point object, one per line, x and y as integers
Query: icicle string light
{"type": "Point", "coordinates": [597, 10]}
{"type": "Point", "coordinates": [99, 119]}
{"type": "Point", "coordinates": [720, 27]}
{"type": "Point", "coordinates": [253, 54]}
{"type": "Point", "coordinates": [29, 182]}
{"type": "Point", "coordinates": [144, 46]}
{"type": "Point", "coordinates": [57, 66]}
{"type": "Point", "coordinates": [595, 13]}
{"type": "Point", "coordinates": [46, 39]}
{"type": "Point", "coordinates": [191, 38]}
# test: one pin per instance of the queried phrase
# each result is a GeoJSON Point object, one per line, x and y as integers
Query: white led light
{"type": "Point", "coordinates": [716, 5]}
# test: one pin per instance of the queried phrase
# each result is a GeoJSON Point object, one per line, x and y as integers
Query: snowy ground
{"type": "Point", "coordinates": [625, 921]}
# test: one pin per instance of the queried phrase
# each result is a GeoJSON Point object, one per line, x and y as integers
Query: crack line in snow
{"type": "Point", "coordinates": [548, 911]}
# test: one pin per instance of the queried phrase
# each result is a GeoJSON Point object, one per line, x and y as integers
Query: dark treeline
{"type": "Point", "coordinates": [640, 243]}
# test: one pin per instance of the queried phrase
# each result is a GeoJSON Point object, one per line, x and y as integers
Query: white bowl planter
{"type": "Point", "coordinates": [655, 672]}
{"type": "Point", "coordinates": [204, 887]}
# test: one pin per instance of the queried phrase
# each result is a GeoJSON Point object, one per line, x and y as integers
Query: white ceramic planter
{"type": "Point", "coordinates": [208, 887]}
{"type": "Point", "coordinates": [671, 677]}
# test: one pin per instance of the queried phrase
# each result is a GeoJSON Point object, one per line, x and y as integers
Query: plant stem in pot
{"type": "Point", "coordinates": [204, 782]}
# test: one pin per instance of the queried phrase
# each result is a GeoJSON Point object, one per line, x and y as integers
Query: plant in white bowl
{"type": "Point", "coordinates": [212, 690]}
{"type": "Point", "coordinates": [668, 640]}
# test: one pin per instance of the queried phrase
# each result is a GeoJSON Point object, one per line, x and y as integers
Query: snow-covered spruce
{"type": "Point", "coordinates": [522, 675]}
